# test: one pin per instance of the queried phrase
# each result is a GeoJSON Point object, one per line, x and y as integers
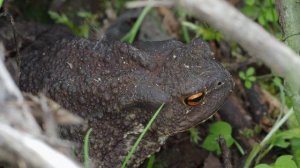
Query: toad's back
{"type": "Point", "coordinates": [116, 87]}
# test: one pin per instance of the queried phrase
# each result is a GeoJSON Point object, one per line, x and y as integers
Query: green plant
{"type": "Point", "coordinates": [86, 148]}
{"type": "Point", "coordinates": [133, 148]}
{"type": "Point", "coordinates": [284, 161]}
{"type": "Point", "coordinates": [265, 144]}
{"type": "Point", "coordinates": [274, 137]}
{"type": "Point", "coordinates": [194, 134]}
{"type": "Point", "coordinates": [248, 77]}
{"type": "Point", "coordinates": [207, 33]}
{"type": "Point", "coordinates": [151, 161]}
{"type": "Point", "coordinates": [247, 132]}
{"type": "Point", "coordinates": [1, 3]}
{"type": "Point", "coordinates": [216, 130]}
{"type": "Point", "coordinates": [281, 138]}
{"type": "Point", "coordinates": [277, 138]}
{"type": "Point", "coordinates": [82, 30]}
{"type": "Point", "coordinates": [130, 36]}
{"type": "Point", "coordinates": [264, 12]}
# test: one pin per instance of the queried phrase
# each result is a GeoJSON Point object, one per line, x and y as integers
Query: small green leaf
{"type": "Point", "coordinates": [59, 18]}
{"type": "Point", "coordinates": [215, 130]}
{"type": "Point", "coordinates": [275, 15]}
{"type": "Point", "coordinates": [251, 11]}
{"type": "Point", "coordinates": [277, 81]}
{"type": "Point", "coordinates": [285, 161]}
{"type": "Point", "coordinates": [211, 144]}
{"type": "Point", "coordinates": [248, 84]}
{"type": "Point", "coordinates": [84, 14]}
{"type": "Point", "coordinates": [269, 2]}
{"type": "Point", "coordinates": [194, 134]}
{"type": "Point", "coordinates": [242, 75]}
{"type": "Point", "coordinates": [262, 20]}
{"type": "Point", "coordinates": [270, 14]}
{"type": "Point", "coordinates": [263, 166]}
{"type": "Point", "coordinates": [250, 71]}
{"type": "Point", "coordinates": [252, 78]}
{"type": "Point", "coordinates": [282, 143]}
{"type": "Point", "coordinates": [281, 138]}
{"type": "Point", "coordinates": [208, 33]}
{"type": "Point", "coordinates": [84, 30]}
{"type": "Point", "coordinates": [221, 128]}
{"type": "Point", "coordinates": [250, 2]}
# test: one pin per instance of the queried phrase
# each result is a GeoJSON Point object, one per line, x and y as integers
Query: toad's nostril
{"type": "Point", "coordinates": [220, 83]}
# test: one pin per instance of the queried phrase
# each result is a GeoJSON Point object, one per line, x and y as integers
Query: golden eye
{"type": "Point", "coordinates": [194, 99]}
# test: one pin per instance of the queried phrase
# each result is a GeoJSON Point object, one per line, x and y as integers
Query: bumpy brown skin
{"type": "Point", "coordinates": [117, 87]}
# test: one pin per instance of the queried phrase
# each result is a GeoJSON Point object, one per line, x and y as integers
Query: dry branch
{"type": "Point", "coordinates": [35, 152]}
{"type": "Point", "coordinates": [13, 110]}
{"type": "Point", "coordinates": [18, 129]}
{"type": "Point", "coordinates": [154, 3]}
{"type": "Point", "coordinates": [289, 18]}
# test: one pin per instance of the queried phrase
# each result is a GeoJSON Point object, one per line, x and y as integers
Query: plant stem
{"type": "Point", "coordinates": [239, 147]}
{"type": "Point", "coordinates": [132, 150]}
{"type": "Point", "coordinates": [130, 36]}
{"type": "Point", "coordinates": [86, 149]}
{"type": "Point", "coordinates": [267, 138]}
{"type": "Point", "coordinates": [263, 154]}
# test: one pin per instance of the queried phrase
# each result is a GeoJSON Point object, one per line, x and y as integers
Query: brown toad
{"type": "Point", "coordinates": [116, 88]}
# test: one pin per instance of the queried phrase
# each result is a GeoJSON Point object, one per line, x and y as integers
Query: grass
{"type": "Point", "coordinates": [267, 138]}
{"type": "Point", "coordinates": [89, 20]}
{"type": "Point", "coordinates": [151, 161]}
{"type": "Point", "coordinates": [130, 36]}
{"type": "Point", "coordinates": [86, 148]}
{"type": "Point", "coordinates": [137, 142]}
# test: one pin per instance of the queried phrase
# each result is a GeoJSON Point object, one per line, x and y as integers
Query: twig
{"type": "Point", "coordinates": [15, 116]}
{"type": "Point", "coordinates": [33, 151]}
{"type": "Point", "coordinates": [225, 153]}
{"type": "Point", "coordinates": [155, 3]}
{"type": "Point", "coordinates": [48, 118]}
{"type": "Point", "coordinates": [13, 110]}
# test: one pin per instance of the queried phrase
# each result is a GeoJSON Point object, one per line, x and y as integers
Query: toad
{"type": "Point", "coordinates": [117, 87]}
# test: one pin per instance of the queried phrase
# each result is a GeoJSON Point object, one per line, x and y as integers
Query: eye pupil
{"type": "Point", "coordinates": [194, 99]}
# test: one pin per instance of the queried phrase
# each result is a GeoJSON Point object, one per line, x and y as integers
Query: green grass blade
{"type": "Point", "coordinates": [1, 3]}
{"type": "Point", "coordinates": [239, 147]}
{"type": "Point", "coordinates": [133, 148]}
{"type": "Point", "coordinates": [86, 149]}
{"type": "Point", "coordinates": [151, 161]}
{"type": "Point", "coordinates": [267, 138]}
{"type": "Point", "coordinates": [130, 36]}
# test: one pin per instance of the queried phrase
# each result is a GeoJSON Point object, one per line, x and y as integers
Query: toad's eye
{"type": "Point", "coordinates": [194, 99]}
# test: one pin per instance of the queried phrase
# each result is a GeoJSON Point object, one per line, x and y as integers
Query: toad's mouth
{"type": "Point", "coordinates": [185, 125]}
